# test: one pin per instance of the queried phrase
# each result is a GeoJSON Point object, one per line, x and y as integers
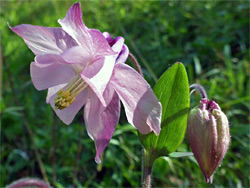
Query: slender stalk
{"type": "Point", "coordinates": [146, 169]}
{"type": "Point", "coordinates": [138, 67]}
{"type": "Point", "coordinates": [200, 89]}
{"type": "Point", "coordinates": [28, 182]}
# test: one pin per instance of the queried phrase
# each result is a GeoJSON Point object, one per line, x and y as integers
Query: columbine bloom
{"type": "Point", "coordinates": [208, 136]}
{"type": "Point", "coordinates": [79, 67]}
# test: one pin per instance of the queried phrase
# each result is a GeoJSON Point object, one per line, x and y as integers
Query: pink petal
{"type": "Point", "coordinates": [77, 57]}
{"type": "Point", "coordinates": [107, 36]}
{"type": "Point", "coordinates": [42, 40]}
{"type": "Point", "coordinates": [50, 70]}
{"type": "Point", "coordinates": [108, 93]}
{"type": "Point", "coordinates": [142, 108]}
{"type": "Point", "coordinates": [123, 56]}
{"type": "Point", "coordinates": [101, 122]}
{"type": "Point", "coordinates": [74, 26]}
{"type": "Point", "coordinates": [53, 90]}
{"type": "Point", "coordinates": [97, 75]}
{"type": "Point", "coordinates": [67, 115]}
{"type": "Point", "coordinates": [101, 46]}
{"type": "Point", "coordinates": [118, 46]}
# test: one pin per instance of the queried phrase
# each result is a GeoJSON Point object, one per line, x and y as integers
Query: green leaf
{"type": "Point", "coordinates": [180, 154]}
{"type": "Point", "coordinates": [172, 90]}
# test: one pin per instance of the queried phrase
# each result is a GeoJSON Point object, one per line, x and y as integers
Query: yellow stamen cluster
{"type": "Point", "coordinates": [67, 97]}
{"type": "Point", "coordinates": [63, 100]}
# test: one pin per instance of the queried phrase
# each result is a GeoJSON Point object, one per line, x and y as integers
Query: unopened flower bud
{"type": "Point", "coordinates": [208, 136]}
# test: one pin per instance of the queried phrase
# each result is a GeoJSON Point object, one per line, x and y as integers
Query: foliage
{"type": "Point", "coordinates": [172, 90]}
{"type": "Point", "coordinates": [209, 37]}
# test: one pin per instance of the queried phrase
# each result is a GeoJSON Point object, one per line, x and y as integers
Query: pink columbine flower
{"type": "Point", "coordinates": [79, 67]}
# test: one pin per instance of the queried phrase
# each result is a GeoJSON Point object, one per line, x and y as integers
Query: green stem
{"type": "Point", "coordinates": [147, 165]}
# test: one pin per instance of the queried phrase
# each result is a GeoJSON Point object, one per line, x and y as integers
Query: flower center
{"type": "Point", "coordinates": [67, 95]}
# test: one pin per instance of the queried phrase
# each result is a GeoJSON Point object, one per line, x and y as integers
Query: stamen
{"type": "Point", "coordinates": [66, 96]}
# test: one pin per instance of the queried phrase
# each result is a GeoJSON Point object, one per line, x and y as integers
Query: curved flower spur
{"type": "Point", "coordinates": [81, 66]}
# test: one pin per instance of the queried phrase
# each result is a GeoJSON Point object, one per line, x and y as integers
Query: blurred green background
{"type": "Point", "coordinates": [211, 38]}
